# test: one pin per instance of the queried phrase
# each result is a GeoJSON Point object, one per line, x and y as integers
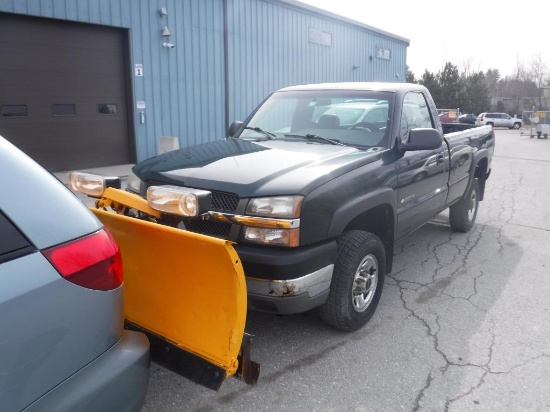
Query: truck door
{"type": "Point", "coordinates": [421, 175]}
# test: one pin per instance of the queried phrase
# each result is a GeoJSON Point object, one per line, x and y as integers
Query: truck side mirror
{"type": "Point", "coordinates": [423, 139]}
{"type": "Point", "coordinates": [234, 128]}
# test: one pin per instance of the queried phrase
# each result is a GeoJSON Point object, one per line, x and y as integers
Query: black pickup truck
{"type": "Point", "coordinates": [317, 185]}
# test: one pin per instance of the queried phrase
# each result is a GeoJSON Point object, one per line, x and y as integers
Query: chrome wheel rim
{"type": "Point", "coordinates": [473, 206]}
{"type": "Point", "coordinates": [364, 283]}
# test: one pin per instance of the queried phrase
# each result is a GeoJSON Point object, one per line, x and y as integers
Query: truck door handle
{"type": "Point", "coordinates": [439, 159]}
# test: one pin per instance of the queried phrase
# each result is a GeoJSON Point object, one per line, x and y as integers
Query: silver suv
{"type": "Point", "coordinates": [499, 120]}
{"type": "Point", "coordinates": [63, 346]}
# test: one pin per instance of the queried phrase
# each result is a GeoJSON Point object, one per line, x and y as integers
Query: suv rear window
{"type": "Point", "coordinates": [12, 242]}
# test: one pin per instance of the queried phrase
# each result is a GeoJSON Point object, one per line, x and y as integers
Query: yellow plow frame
{"type": "Point", "coordinates": [186, 291]}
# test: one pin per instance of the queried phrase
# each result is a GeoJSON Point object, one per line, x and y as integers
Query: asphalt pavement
{"type": "Point", "coordinates": [463, 323]}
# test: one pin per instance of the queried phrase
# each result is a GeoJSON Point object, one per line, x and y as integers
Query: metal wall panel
{"type": "Point", "coordinates": [269, 47]}
{"type": "Point", "coordinates": [182, 87]}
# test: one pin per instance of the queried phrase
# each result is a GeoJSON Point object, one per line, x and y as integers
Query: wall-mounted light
{"type": "Point", "coordinates": [163, 12]}
{"type": "Point", "coordinates": [166, 35]}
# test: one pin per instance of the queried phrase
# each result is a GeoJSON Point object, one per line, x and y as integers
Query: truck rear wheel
{"type": "Point", "coordinates": [462, 215]}
{"type": "Point", "coordinates": [357, 281]}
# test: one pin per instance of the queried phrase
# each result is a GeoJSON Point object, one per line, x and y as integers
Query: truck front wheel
{"type": "Point", "coordinates": [357, 281]}
{"type": "Point", "coordinates": [462, 215]}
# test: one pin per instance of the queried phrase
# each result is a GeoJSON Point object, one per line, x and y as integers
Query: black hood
{"type": "Point", "coordinates": [250, 168]}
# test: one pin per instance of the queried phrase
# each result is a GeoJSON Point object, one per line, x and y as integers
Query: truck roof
{"type": "Point", "coordinates": [382, 86]}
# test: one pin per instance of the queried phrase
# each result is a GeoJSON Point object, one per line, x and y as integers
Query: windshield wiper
{"type": "Point", "coordinates": [269, 135]}
{"type": "Point", "coordinates": [317, 138]}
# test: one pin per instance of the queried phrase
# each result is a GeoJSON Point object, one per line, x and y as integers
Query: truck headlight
{"type": "Point", "coordinates": [133, 183]}
{"type": "Point", "coordinates": [92, 184]}
{"type": "Point", "coordinates": [270, 236]}
{"type": "Point", "coordinates": [180, 201]}
{"type": "Point", "coordinates": [278, 206]}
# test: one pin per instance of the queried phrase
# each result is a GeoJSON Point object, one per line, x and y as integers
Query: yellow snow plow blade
{"type": "Point", "coordinates": [187, 290]}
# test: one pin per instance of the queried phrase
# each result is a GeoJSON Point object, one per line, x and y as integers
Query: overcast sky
{"type": "Point", "coordinates": [477, 34]}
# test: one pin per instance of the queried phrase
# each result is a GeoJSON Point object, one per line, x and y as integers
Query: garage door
{"type": "Point", "coordinates": [63, 92]}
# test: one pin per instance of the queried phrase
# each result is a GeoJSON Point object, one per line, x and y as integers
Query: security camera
{"type": "Point", "coordinates": [168, 45]}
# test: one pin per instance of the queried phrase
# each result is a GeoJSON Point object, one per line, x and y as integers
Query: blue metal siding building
{"type": "Point", "coordinates": [228, 55]}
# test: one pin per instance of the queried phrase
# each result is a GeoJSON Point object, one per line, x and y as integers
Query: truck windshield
{"type": "Point", "coordinates": [350, 117]}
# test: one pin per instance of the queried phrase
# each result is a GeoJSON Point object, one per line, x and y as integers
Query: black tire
{"type": "Point", "coordinates": [490, 124]}
{"type": "Point", "coordinates": [517, 125]}
{"type": "Point", "coordinates": [353, 297]}
{"type": "Point", "coordinates": [462, 215]}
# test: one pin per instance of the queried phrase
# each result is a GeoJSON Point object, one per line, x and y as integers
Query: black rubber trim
{"type": "Point", "coordinates": [13, 243]}
{"type": "Point", "coordinates": [179, 361]}
{"type": "Point", "coordinates": [264, 262]}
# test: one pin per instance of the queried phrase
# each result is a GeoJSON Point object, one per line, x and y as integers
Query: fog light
{"type": "Point", "coordinates": [92, 184]}
{"type": "Point", "coordinates": [179, 200]}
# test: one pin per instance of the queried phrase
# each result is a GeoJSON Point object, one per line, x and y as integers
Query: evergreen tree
{"type": "Point", "coordinates": [449, 83]}
{"type": "Point", "coordinates": [410, 76]}
{"type": "Point", "coordinates": [475, 94]}
{"type": "Point", "coordinates": [430, 81]}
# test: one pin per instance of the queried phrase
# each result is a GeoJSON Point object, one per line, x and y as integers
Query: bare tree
{"type": "Point", "coordinates": [467, 67]}
{"type": "Point", "coordinates": [539, 71]}
{"type": "Point", "coordinates": [520, 72]}
{"type": "Point", "coordinates": [492, 78]}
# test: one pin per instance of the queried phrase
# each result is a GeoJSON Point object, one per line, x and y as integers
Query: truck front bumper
{"type": "Point", "coordinates": [287, 281]}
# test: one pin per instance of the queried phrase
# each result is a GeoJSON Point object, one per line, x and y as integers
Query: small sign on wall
{"type": "Point", "coordinates": [139, 70]}
{"type": "Point", "coordinates": [319, 37]}
{"type": "Point", "coordinates": [383, 53]}
{"type": "Point", "coordinates": [140, 104]}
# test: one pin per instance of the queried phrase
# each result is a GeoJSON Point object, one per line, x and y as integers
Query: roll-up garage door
{"type": "Point", "coordinates": [63, 92]}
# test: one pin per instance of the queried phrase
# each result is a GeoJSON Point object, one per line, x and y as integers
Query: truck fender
{"type": "Point", "coordinates": [479, 156]}
{"type": "Point", "coordinates": [357, 207]}
{"type": "Point", "coordinates": [350, 210]}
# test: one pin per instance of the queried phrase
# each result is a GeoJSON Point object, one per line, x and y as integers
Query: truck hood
{"type": "Point", "coordinates": [250, 168]}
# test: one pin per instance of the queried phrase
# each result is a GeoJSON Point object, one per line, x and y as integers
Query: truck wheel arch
{"type": "Point", "coordinates": [479, 171]}
{"type": "Point", "coordinates": [373, 212]}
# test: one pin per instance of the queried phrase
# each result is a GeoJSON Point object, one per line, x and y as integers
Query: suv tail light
{"type": "Point", "coordinates": [93, 261]}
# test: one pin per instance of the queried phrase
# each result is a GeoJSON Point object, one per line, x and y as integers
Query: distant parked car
{"type": "Point", "coordinates": [63, 346]}
{"type": "Point", "coordinates": [499, 120]}
{"type": "Point", "coordinates": [469, 118]}
{"type": "Point", "coordinates": [449, 115]}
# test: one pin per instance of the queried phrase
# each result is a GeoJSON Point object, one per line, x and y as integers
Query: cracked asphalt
{"type": "Point", "coordinates": [463, 323]}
